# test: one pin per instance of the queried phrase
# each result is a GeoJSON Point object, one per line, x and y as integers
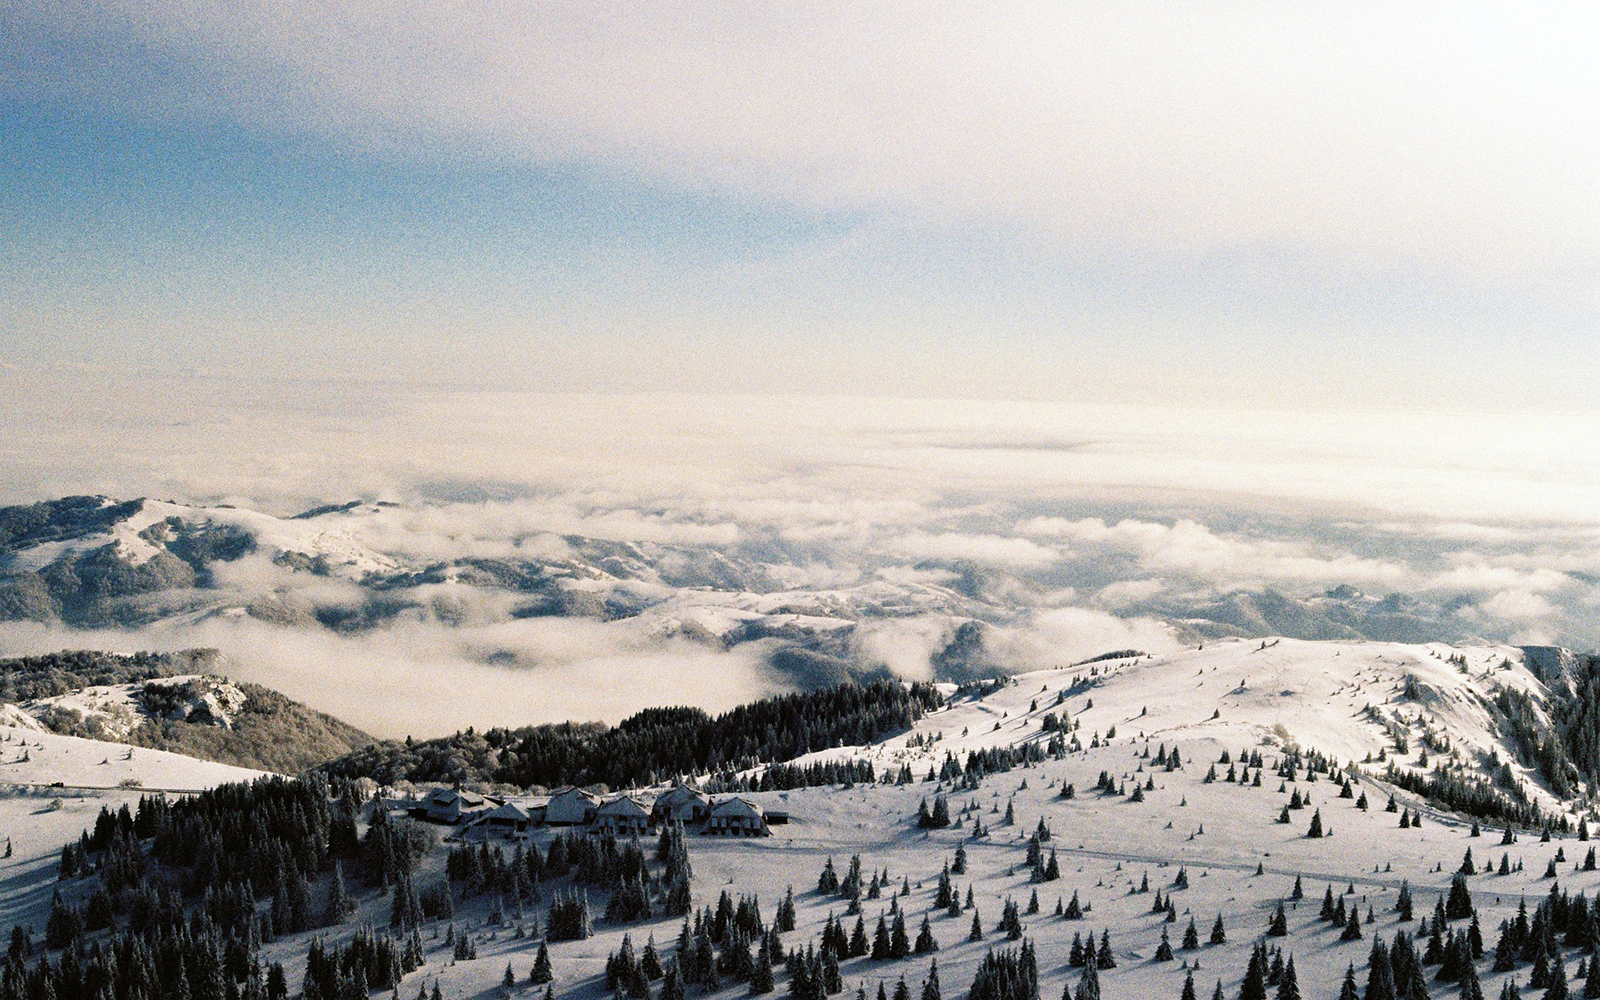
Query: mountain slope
{"type": "Point", "coordinates": [171, 702]}
{"type": "Point", "coordinates": [788, 605]}
{"type": "Point", "coordinates": [1153, 839]}
{"type": "Point", "coordinates": [1417, 708]}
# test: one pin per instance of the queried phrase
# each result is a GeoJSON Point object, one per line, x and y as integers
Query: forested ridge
{"type": "Point", "coordinates": [271, 732]}
{"type": "Point", "coordinates": [25, 678]}
{"type": "Point", "coordinates": [1567, 751]}
{"type": "Point", "coordinates": [653, 745]}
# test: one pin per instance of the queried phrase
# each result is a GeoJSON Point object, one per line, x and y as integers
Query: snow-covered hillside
{"type": "Point", "coordinates": [114, 710]}
{"type": "Point", "coordinates": [1196, 779]}
{"type": "Point", "coordinates": [32, 758]}
{"type": "Point", "coordinates": [52, 787]}
{"type": "Point", "coordinates": [1217, 849]}
{"type": "Point", "coordinates": [1329, 697]}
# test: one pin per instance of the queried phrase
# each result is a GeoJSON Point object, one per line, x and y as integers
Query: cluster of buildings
{"type": "Point", "coordinates": [483, 817]}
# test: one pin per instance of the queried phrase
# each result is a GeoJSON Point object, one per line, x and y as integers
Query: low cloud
{"type": "Point", "coordinates": [555, 557]}
{"type": "Point", "coordinates": [996, 550]}
{"type": "Point", "coordinates": [1062, 636]}
{"type": "Point", "coordinates": [1194, 549]}
{"type": "Point", "coordinates": [415, 678]}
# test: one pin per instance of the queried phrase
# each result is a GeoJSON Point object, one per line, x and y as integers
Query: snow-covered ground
{"type": "Point", "coordinates": [52, 787]}
{"type": "Point", "coordinates": [32, 758]}
{"type": "Point", "coordinates": [1313, 695]}
{"type": "Point", "coordinates": [1264, 696]}
{"type": "Point", "coordinates": [1234, 696]}
{"type": "Point", "coordinates": [117, 709]}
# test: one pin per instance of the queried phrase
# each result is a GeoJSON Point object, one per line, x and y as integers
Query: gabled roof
{"type": "Point", "coordinates": [568, 792]}
{"type": "Point", "coordinates": [624, 807]}
{"type": "Point", "coordinates": [509, 812]}
{"type": "Point", "coordinates": [445, 796]}
{"type": "Point", "coordinates": [737, 807]}
{"type": "Point", "coordinates": [680, 793]}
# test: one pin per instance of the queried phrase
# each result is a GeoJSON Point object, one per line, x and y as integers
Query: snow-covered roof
{"type": "Point", "coordinates": [680, 793]}
{"type": "Point", "coordinates": [736, 807]}
{"type": "Point", "coordinates": [567, 793]}
{"type": "Point", "coordinates": [624, 807]}
{"type": "Point", "coordinates": [445, 796]}
{"type": "Point", "coordinates": [510, 812]}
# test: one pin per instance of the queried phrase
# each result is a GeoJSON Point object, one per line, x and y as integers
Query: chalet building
{"type": "Point", "coordinates": [571, 807]}
{"type": "Point", "coordinates": [622, 817]}
{"type": "Point", "coordinates": [508, 822]}
{"type": "Point", "coordinates": [449, 805]}
{"type": "Point", "coordinates": [682, 804]}
{"type": "Point", "coordinates": [737, 817]}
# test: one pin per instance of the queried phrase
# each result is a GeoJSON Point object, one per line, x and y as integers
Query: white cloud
{"type": "Point", "coordinates": [996, 550]}
{"type": "Point", "coordinates": [904, 645]}
{"type": "Point", "coordinates": [1518, 605]}
{"type": "Point", "coordinates": [420, 679]}
{"type": "Point", "coordinates": [913, 576]}
{"type": "Point", "coordinates": [1464, 139]}
{"type": "Point", "coordinates": [838, 499]}
{"type": "Point", "coordinates": [1472, 572]}
{"type": "Point", "coordinates": [1125, 592]}
{"type": "Point", "coordinates": [1062, 636]}
{"type": "Point", "coordinates": [1192, 548]}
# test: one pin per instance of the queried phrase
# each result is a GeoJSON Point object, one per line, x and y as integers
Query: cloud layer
{"type": "Point", "coordinates": [746, 525]}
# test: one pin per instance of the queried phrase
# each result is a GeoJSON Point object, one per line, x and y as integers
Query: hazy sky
{"type": "Point", "coordinates": [1342, 204]}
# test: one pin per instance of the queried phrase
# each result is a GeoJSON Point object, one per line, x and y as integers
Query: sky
{"type": "Point", "coordinates": [1352, 206]}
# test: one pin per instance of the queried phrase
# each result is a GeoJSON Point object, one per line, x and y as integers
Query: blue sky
{"type": "Point", "coordinates": [1351, 206]}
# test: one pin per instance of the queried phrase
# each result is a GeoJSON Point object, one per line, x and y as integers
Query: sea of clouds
{"type": "Point", "coordinates": [1082, 526]}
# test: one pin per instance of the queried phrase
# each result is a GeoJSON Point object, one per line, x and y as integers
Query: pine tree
{"type": "Point", "coordinates": [1352, 927]}
{"type": "Point", "coordinates": [761, 979]}
{"type": "Point", "coordinates": [541, 972]}
{"type": "Point", "coordinates": [671, 984]}
{"type": "Point", "coordinates": [899, 942]}
{"type": "Point", "coordinates": [1348, 990]}
{"type": "Point", "coordinates": [1380, 973]}
{"type": "Point", "coordinates": [1164, 949]}
{"type": "Point", "coordinates": [340, 905]}
{"type": "Point", "coordinates": [1471, 988]}
{"type": "Point", "coordinates": [859, 945]}
{"type": "Point", "coordinates": [880, 941]}
{"type": "Point", "coordinates": [1557, 990]}
{"type": "Point", "coordinates": [1254, 986]}
{"type": "Point", "coordinates": [1279, 926]}
{"type": "Point", "coordinates": [1289, 982]}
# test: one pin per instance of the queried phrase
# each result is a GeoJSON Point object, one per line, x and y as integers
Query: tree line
{"type": "Point", "coordinates": [651, 746]}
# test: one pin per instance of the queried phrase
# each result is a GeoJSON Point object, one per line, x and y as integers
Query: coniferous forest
{"type": "Point", "coordinates": [653, 745]}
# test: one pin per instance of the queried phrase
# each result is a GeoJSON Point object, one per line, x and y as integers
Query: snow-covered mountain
{"type": "Point", "coordinates": [169, 701]}
{"type": "Point", "coordinates": [1212, 787]}
{"type": "Point", "coordinates": [355, 568]}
